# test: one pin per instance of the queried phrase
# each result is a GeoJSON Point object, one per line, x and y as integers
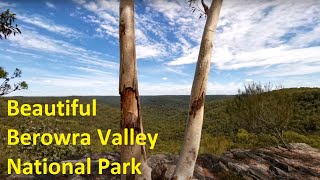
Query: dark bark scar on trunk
{"type": "Point", "coordinates": [129, 119]}
{"type": "Point", "coordinates": [193, 153]}
{"type": "Point", "coordinates": [196, 105]}
{"type": "Point", "coordinates": [122, 29]}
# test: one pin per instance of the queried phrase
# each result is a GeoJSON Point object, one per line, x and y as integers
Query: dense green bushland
{"type": "Point", "coordinates": [165, 115]}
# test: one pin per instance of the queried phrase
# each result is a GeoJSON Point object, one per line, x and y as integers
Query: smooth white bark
{"type": "Point", "coordinates": [190, 148]}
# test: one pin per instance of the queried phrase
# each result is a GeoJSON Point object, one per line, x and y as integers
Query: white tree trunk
{"type": "Point", "coordinates": [190, 148]}
{"type": "Point", "coordinates": [128, 89]}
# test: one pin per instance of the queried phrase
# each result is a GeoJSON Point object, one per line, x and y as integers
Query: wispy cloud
{"type": "Point", "coordinates": [37, 42]}
{"type": "Point", "coordinates": [255, 41]}
{"type": "Point", "coordinates": [150, 51]}
{"type": "Point", "coordinates": [50, 5]}
{"type": "Point", "coordinates": [6, 5]}
{"type": "Point", "coordinates": [106, 15]}
{"type": "Point", "coordinates": [48, 25]}
{"type": "Point", "coordinates": [94, 71]}
{"type": "Point", "coordinates": [14, 52]}
{"type": "Point", "coordinates": [185, 88]}
{"type": "Point", "coordinates": [176, 70]}
{"type": "Point", "coordinates": [269, 56]}
{"type": "Point", "coordinates": [69, 85]}
{"type": "Point", "coordinates": [284, 70]}
{"type": "Point", "coordinates": [254, 34]}
{"type": "Point", "coordinates": [189, 57]}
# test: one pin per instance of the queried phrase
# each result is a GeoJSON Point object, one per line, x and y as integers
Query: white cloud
{"type": "Point", "coordinates": [71, 85]}
{"type": "Point", "coordinates": [287, 70]}
{"type": "Point", "coordinates": [171, 9]}
{"type": "Point", "coordinates": [6, 5]}
{"type": "Point", "coordinates": [260, 39]}
{"type": "Point", "coordinates": [69, 82]}
{"type": "Point", "coordinates": [268, 57]}
{"type": "Point", "coordinates": [177, 70]}
{"type": "Point", "coordinates": [21, 53]}
{"type": "Point", "coordinates": [254, 34]}
{"type": "Point", "coordinates": [33, 41]}
{"type": "Point", "coordinates": [307, 38]}
{"type": "Point", "coordinates": [149, 51]}
{"type": "Point", "coordinates": [49, 26]}
{"type": "Point", "coordinates": [50, 5]}
{"type": "Point", "coordinates": [94, 71]}
{"type": "Point", "coordinates": [185, 89]}
{"type": "Point", "coordinates": [187, 58]}
{"type": "Point", "coordinates": [106, 15]}
{"type": "Point", "coordinates": [223, 88]}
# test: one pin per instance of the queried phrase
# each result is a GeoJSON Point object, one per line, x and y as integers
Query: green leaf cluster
{"type": "Point", "coordinates": [6, 87]}
{"type": "Point", "coordinates": [7, 27]}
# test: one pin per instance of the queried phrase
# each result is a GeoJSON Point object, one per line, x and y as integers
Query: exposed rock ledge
{"type": "Point", "coordinates": [302, 162]}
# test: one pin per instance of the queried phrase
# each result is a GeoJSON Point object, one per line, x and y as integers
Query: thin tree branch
{"type": "Point", "coordinates": [205, 7]}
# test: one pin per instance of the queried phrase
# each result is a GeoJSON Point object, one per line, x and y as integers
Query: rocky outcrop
{"type": "Point", "coordinates": [301, 162]}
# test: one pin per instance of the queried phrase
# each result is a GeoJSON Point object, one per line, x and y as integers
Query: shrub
{"type": "Point", "coordinates": [214, 145]}
{"type": "Point", "coordinates": [291, 136]}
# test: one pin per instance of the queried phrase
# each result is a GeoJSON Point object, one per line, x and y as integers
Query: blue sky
{"type": "Point", "coordinates": [72, 48]}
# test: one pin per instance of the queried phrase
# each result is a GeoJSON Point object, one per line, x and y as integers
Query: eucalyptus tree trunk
{"type": "Point", "coordinates": [188, 155]}
{"type": "Point", "coordinates": [128, 89]}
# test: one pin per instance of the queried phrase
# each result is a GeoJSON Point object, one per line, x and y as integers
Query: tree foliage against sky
{"type": "Point", "coordinates": [194, 5]}
{"type": "Point", "coordinates": [6, 87]}
{"type": "Point", "coordinates": [6, 29]}
{"type": "Point", "coordinates": [7, 26]}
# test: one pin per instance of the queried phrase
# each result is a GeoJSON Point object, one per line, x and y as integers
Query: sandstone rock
{"type": "Point", "coordinates": [302, 162]}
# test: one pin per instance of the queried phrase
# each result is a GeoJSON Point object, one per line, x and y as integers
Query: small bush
{"type": "Point", "coordinates": [291, 136]}
{"type": "Point", "coordinates": [311, 139]}
{"type": "Point", "coordinates": [243, 135]}
{"type": "Point", "coordinates": [214, 145]}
